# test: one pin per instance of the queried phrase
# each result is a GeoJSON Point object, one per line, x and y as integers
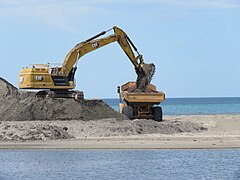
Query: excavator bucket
{"type": "Point", "coordinates": [144, 76]}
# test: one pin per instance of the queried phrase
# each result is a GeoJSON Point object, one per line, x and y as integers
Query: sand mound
{"type": "Point", "coordinates": [7, 89]}
{"type": "Point", "coordinates": [25, 117]}
{"type": "Point", "coordinates": [33, 132]}
{"type": "Point", "coordinates": [112, 127]}
{"type": "Point", "coordinates": [58, 109]}
{"type": "Point", "coordinates": [20, 106]}
{"type": "Point", "coordinates": [7, 93]}
{"type": "Point", "coordinates": [166, 127]}
{"type": "Point", "coordinates": [51, 130]}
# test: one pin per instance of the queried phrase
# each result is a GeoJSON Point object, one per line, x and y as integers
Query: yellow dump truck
{"type": "Point", "coordinates": [139, 105]}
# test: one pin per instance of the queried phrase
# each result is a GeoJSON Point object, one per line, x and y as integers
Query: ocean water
{"type": "Point", "coordinates": [132, 164]}
{"type": "Point", "coordinates": [120, 164]}
{"type": "Point", "coordinates": [194, 106]}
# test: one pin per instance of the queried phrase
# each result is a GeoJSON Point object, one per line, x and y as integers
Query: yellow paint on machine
{"type": "Point", "coordinates": [38, 77]}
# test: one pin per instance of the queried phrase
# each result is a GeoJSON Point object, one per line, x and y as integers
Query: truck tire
{"type": "Point", "coordinates": [157, 114]}
{"type": "Point", "coordinates": [128, 112]}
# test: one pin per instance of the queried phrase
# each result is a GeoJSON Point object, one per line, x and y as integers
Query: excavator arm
{"type": "Point", "coordinates": [93, 43]}
{"type": "Point", "coordinates": [144, 71]}
{"type": "Point", "coordinates": [126, 44]}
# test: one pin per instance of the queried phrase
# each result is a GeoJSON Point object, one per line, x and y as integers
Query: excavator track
{"type": "Point", "coordinates": [77, 95]}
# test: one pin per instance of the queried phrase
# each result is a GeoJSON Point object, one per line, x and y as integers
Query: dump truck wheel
{"type": "Point", "coordinates": [157, 112]}
{"type": "Point", "coordinates": [128, 112]}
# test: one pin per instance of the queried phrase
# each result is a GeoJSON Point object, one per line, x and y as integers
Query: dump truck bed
{"type": "Point", "coordinates": [148, 98]}
{"type": "Point", "coordinates": [151, 96]}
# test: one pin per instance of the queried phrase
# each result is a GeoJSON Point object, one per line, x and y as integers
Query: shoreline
{"type": "Point", "coordinates": [116, 145]}
{"type": "Point", "coordinates": [222, 133]}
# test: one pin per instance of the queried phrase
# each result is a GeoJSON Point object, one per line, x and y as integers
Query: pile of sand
{"type": "Point", "coordinates": [22, 106]}
{"type": "Point", "coordinates": [25, 117]}
{"type": "Point", "coordinates": [18, 132]}
{"type": "Point", "coordinates": [7, 89]}
{"type": "Point", "coordinates": [7, 93]}
{"type": "Point", "coordinates": [49, 130]}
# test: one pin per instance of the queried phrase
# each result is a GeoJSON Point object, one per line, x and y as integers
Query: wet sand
{"type": "Point", "coordinates": [223, 131]}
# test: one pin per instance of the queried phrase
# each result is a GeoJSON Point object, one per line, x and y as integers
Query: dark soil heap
{"type": "Point", "coordinates": [20, 106]}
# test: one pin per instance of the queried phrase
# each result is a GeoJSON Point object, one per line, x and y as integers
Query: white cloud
{"type": "Point", "coordinates": [204, 4]}
{"type": "Point", "coordinates": [47, 13]}
{"type": "Point", "coordinates": [58, 12]}
{"type": "Point", "coordinates": [214, 4]}
{"type": "Point", "coordinates": [62, 8]}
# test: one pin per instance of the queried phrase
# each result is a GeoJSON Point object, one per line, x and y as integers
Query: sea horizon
{"type": "Point", "coordinates": [193, 106]}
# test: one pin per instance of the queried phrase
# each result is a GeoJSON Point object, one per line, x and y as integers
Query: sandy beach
{"type": "Point", "coordinates": [222, 131]}
{"type": "Point", "coordinates": [27, 122]}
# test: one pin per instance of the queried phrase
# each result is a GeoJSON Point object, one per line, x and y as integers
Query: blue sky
{"type": "Point", "coordinates": [195, 45]}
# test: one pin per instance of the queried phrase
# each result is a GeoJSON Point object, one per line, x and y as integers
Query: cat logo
{"type": "Point", "coordinates": [95, 45]}
{"type": "Point", "coordinates": [39, 78]}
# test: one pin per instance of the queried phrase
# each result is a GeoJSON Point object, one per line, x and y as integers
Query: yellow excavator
{"type": "Point", "coordinates": [57, 80]}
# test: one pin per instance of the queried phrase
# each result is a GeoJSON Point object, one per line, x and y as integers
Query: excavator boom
{"type": "Point", "coordinates": [93, 43]}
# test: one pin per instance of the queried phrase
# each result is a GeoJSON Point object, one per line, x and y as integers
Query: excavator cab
{"type": "Point", "coordinates": [47, 78]}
